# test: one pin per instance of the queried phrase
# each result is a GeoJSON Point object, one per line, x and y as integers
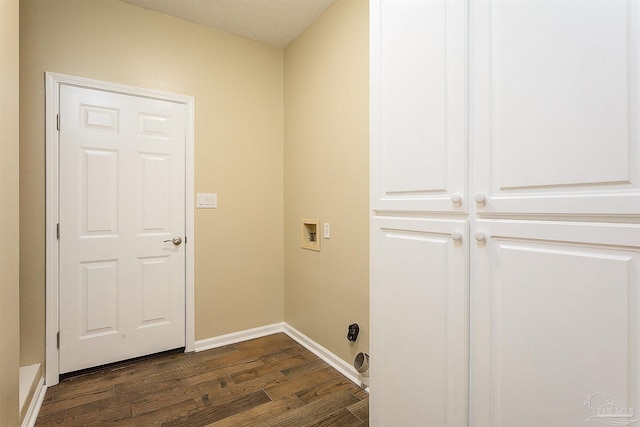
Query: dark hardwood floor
{"type": "Point", "coordinates": [270, 381]}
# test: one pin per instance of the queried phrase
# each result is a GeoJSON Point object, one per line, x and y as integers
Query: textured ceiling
{"type": "Point", "coordinates": [274, 22]}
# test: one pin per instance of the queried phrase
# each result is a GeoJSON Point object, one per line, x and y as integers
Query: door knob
{"type": "Point", "coordinates": [456, 198]}
{"type": "Point", "coordinates": [480, 236]}
{"type": "Point", "coordinates": [176, 240]}
{"type": "Point", "coordinates": [480, 198]}
{"type": "Point", "coordinates": [456, 236]}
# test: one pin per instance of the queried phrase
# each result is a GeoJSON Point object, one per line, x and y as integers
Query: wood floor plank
{"type": "Point", "coordinates": [260, 415]}
{"type": "Point", "coordinates": [170, 368]}
{"type": "Point", "coordinates": [361, 394]}
{"type": "Point", "coordinates": [95, 413]}
{"type": "Point", "coordinates": [271, 344]}
{"type": "Point", "coordinates": [153, 401]}
{"type": "Point", "coordinates": [267, 381]}
{"type": "Point", "coordinates": [223, 366]}
{"type": "Point", "coordinates": [268, 368]}
{"type": "Point", "coordinates": [279, 340]}
{"type": "Point", "coordinates": [315, 411]}
{"type": "Point", "coordinates": [260, 383]}
{"type": "Point", "coordinates": [341, 418]}
{"type": "Point", "coordinates": [235, 391]}
{"type": "Point", "coordinates": [142, 387]}
{"type": "Point", "coordinates": [305, 368]}
{"type": "Point", "coordinates": [322, 389]}
{"type": "Point", "coordinates": [163, 415]}
{"type": "Point", "coordinates": [51, 419]}
{"type": "Point", "coordinates": [72, 401]}
{"type": "Point", "coordinates": [302, 383]}
{"type": "Point", "coordinates": [283, 353]}
{"type": "Point", "coordinates": [360, 409]}
{"type": "Point", "coordinates": [218, 412]}
{"type": "Point", "coordinates": [74, 390]}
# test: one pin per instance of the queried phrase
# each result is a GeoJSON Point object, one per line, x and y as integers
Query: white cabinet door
{"type": "Point", "coordinates": [418, 105]}
{"type": "Point", "coordinates": [419, 319]}
{"type": "Point", "coordinates": [555, 317]}
{"type": "Point", "coordinates": [555, 91]}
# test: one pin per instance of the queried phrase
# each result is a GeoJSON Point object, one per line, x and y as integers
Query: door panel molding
{"type": "Point", "coordinates": [53, 81]}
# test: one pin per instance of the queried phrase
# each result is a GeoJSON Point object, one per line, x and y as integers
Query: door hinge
{"type": "Point", "coordinates": [58, 121]}
{"type": "Point", "coordinates": [58, 231]}
{"type": "Point", "coordinates": [58, 340]}
{"type": "Point", "coordinates": [185, 240]}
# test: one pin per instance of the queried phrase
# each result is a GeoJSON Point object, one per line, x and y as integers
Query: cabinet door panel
{"type": "Point", "coordinates": [555, 316]}
{"type": "Point", "coordinates": [418, 97]}
{"type": "Point", "coordinates": [555, 106]}
{"type": "Point", "coordinates": [419, 312]}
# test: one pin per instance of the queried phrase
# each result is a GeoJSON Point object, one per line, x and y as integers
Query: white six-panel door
{"type": "Point", "coordinates": [122, 194]}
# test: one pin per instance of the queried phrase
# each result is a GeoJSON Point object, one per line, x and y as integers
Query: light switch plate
{"type": "Point", "coordinates": [327, 230]}
{"type": "Point", "coordinates": [206, 201]}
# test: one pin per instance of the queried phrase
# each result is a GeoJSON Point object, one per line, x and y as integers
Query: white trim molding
{"type": "Point", "coordinates": [236, 337]}
{"type": "Point", "coordinates": [34, 406]}
{"type": "Point", "coordinates": [53, 81]}
{"type": "Point", "coordinates": [334, 361]}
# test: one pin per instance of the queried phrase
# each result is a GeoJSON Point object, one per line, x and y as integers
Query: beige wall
{"type": "Point", "coordinates": [327, 177]}
{"type": "Point", "coordinates": [238, 89]}
{"type": "Point", "coordinates": [9, 327]}
{"type": "Point", "coordinates": [238, 85]}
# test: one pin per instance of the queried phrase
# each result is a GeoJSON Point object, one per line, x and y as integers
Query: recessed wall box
{"type": "Point", "coordinates": [309, 238]}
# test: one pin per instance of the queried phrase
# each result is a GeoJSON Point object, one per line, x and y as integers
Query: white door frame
{"type": "Point", "coordinates": [53, 83]}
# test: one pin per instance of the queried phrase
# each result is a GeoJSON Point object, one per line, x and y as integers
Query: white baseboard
{"type": "Point", "coordinates": [334, 361]}
{"type": "Point", "coordinates": [337, 363]}
{"type": "Point", "coordinates": [235, 337]}
{"type": "Point", "coordinates": [34, 407]}
{"type": "Point", "coordinates": [29, 376]}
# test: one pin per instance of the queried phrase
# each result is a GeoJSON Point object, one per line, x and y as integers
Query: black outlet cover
{"type": "Point", "coordinates": [352, 335]}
